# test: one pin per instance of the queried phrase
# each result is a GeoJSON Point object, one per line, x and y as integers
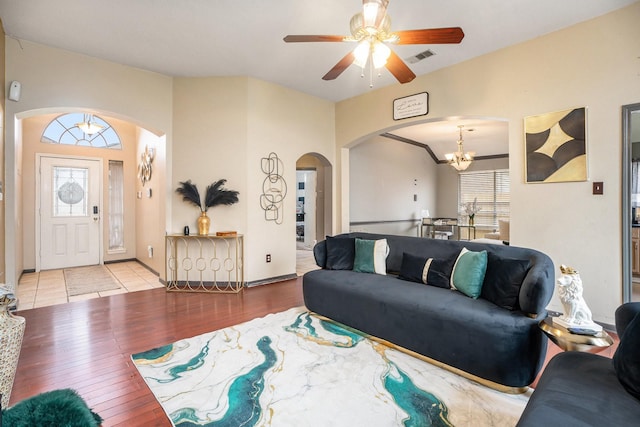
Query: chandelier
{"type": "Point", "coordinates": [88, 125]}
{"type": "Point", "coordinates": [460, 160]}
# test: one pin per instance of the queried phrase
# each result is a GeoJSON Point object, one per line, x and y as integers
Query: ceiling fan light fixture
{"type": "Point", "coordinates": [380, 54]}
{"type": "Point", "coordinates": [361, 53]}
{"type": "Point", "coordinates": [373, 12]}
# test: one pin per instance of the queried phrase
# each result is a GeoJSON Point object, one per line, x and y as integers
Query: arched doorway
{"type": "Point", "coordinates": [314, 181]}
{"type": "Point", "coordinates": [140, 206]}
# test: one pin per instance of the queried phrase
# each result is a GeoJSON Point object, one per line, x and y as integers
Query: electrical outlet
{"type": "Point", "coordinates": [268, 257]}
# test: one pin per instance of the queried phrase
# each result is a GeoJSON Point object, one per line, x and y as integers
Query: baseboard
{"type": "Point", "coordinates": [146, 266]}
{"type": "Point", "coordinates": [116, 261]}
{"type": "Point", "coordinates": [272, 280]}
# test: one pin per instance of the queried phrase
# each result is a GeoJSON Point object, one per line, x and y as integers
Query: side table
{"type": "Point", "coordinates": [574, 342]}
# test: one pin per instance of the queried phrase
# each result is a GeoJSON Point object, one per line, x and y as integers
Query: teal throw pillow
{"type": "Point", "coordinates": [371, 256]}
{"type": "Point", "coordinates": [468, 272]}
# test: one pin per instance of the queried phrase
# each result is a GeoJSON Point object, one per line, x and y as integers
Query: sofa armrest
{"type": "Point", "coordinates": [625, 314]}
{"type": "Point", "coordinates": [538, 285]}
{"type": "Point", "coordinates": [320, 253]}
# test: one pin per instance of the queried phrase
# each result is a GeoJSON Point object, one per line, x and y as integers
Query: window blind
{"type": "Point", "coordinates": [491, 190]}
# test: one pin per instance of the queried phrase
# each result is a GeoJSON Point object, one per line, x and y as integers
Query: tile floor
{"type": "Point", "coordinates": [49, 287]}
{"type": "Point", "coordinates": [305, 261]}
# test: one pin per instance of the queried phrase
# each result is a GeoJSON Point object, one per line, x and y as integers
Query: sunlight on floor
{"type": "Point", "coordinates": [49, 288]}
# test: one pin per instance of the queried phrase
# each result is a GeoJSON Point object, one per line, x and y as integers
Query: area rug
{"type": "Point", "coordinates": [294, 369]}
{"type": "Point", "coordinates": [89, 280]}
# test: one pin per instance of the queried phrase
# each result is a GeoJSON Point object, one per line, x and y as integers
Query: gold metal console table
{"type": "Point", "coordinates": [204, 263]}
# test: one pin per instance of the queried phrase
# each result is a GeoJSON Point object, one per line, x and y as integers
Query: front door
{"type": "Point", "coordinates": [69, 212]}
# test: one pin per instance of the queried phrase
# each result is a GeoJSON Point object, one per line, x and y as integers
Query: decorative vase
{"type": "Point", "coordinates": [471, 222]}
{"type": "Point", "coordinates": [11, 333]}
{"type": "Point", "coordinates": [203, 224]}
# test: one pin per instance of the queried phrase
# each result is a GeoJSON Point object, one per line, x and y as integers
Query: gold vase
{"type": "Point", "coordinates": [471, 220]}
{"type": "Point", "coordinates": [203, 224]}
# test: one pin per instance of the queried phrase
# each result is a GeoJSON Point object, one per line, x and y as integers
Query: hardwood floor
{"type": "Point", "coordinates": [87, 345]}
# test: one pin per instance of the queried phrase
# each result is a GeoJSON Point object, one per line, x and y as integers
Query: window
{"type": "Point", "coordinates": [71, 188]}
{"type": "Point", "coordinates": [64, 130]}
{"type": "Point", "coordinates": [116, 206]}
{"type": "Point", "coordinates": [491, 190]}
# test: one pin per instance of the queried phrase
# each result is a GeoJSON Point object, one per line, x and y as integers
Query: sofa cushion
{"type": "Point", "coordinates": [577, 390]}
{"type": "Point", "coordinates": [626, 359]}
{"type": "Point", "coordinates": [371, 256]}
{"type": "Point", "coordinates": [503, 280]}
{"type": "Point", "coordinates": [340, 253]}
{"type": "Point", "coordinates": [468, 272]}
{"type": "Point", "coordinates": [430, 271]}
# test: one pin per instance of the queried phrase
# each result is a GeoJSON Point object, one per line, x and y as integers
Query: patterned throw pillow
{"type": "Point", "coordinates": [430, 271]}
{"type": "Point", "coordinates": [371, 256]}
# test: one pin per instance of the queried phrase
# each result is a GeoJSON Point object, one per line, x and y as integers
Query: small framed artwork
{"type": "Point", "coordinates": [556, 146]}
{"type": "Point", "coordinates": [411, 106]}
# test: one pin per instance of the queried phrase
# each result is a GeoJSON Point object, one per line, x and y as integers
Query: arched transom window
{"type": "Point", "coordinates": [86, 130]}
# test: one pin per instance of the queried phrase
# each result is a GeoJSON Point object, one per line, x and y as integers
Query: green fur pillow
{"type": "Point", "coordinates": [54, 408]}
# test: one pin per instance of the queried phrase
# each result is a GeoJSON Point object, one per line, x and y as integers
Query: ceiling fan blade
{"type": "Point", "coordinates": [342, 65]}
{"type": "Point", "coordinates": [431, 36]}
{"type": "Point", "coordinates": [373, 12]}
{"type": "Point", "coordinates": [399, 69]}
{"type": "Point", "coordinates": [299, 39]}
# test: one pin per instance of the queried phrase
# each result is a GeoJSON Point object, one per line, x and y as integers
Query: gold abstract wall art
{"type": "Point", "coordinates": [556, 146]}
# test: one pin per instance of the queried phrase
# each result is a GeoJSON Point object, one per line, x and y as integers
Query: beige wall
{"type": "Point", "coordinates": [33, 128]}
{"type": "Point", "coordinates": [551, 73]}
{"type": "Point", "coordinates": [72, 82]}
{"type": "Point", "coordinates": [290, 124]}
{"type": "Point", "coordinates": [385, 174]}
{"type": "Point", "coordinates": [150, 210]}
{"type": "Point", "coordinates": [223, 127]}
{"type": "Point", "coordinates": [2, 167]}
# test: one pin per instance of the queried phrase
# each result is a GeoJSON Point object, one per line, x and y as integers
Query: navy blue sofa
{"type": "Point", "coordinates": [504, 346]}
{"type": "Point", "coordinates": [584, 389]}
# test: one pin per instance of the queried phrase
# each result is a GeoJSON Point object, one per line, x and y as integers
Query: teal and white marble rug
{"type": "Point", "coordinates": [293, 369]}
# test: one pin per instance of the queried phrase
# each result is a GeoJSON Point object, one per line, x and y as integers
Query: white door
{"type": "Point", "coordinates": [69, 212]}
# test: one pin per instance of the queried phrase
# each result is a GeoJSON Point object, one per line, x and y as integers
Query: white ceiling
{"type": "Point", "coordinates": [197, 38]}
{"type": "Point", "coordinates": [244, 37]}
{"type": "Point", "coordinates": [487, 137]}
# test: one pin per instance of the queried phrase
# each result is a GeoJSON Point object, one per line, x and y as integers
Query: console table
{"type": "Point", "coordinates": [208, 263]}
{"type": "Point", "coordinates": [445, 228]}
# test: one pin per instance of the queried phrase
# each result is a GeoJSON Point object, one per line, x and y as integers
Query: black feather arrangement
{"type": "Point", "coordinates": [217, 195]}
{"type": "Point", "coordinates": [189, 193]}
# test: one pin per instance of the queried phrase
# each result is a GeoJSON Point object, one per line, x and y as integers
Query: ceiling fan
{"type": "Point", "coordinates": [371, 30]}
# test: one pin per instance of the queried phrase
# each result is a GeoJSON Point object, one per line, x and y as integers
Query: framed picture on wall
{"type": "Point", "coordinates": [556, 146]}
